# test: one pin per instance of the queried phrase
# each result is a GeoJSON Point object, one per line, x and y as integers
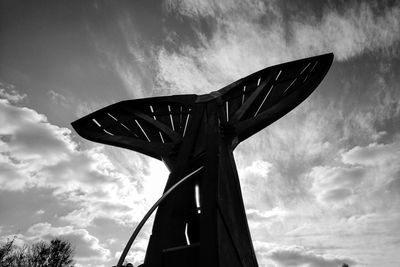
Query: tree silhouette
{"type": "Point", "coordinates": [56, 253]}
{"type": "Point", "coordinates": [6, 251]}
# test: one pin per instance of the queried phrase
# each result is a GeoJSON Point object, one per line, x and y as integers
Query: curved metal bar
{"type": "Point", "coordinates": [151, 210]}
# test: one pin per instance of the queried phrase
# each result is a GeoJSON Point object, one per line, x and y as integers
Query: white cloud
{"type": "Point", "coordinates": [88, 185]}
{"type": "Point", "coordinates": [358, 237]}
{"type": "Point", "coordinates": [331, 185]}
{"type": "Point", "coordinates": [257, 184]}
{"type": "Point", "coordinates": [42, 139]}
{"type": "Point", "coordinates": [8, 92]}
{"type": "Point", "coordinates": [88, 251]}
{"type": "Point", "coordinates": [40, 212]}
{"type": "Point", "coordinates": [136, 255]}
{"type": "Point", "coordinates": [296, 256]}
{"type": "Point", "coordinates": [87, 247]}
{"type": "Point", "coordinates": [27, 138]}
{"type": "Point", "coordinates": [383, 166]}
{"type": "Point", "coordinates": [272, 254]}
{"type": "Point", "coordinates": [86, 177]}
{"type": "Point", "coordinates": [373, 154]}
{"type": "Point", "coordinates": [369, 180]}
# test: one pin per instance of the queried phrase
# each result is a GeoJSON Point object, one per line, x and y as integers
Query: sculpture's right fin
{"type": "Point", "coordinates": [254, 102]}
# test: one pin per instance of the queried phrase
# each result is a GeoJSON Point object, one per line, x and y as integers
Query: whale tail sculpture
{"type": "Point", "coordinates": [201, 219]}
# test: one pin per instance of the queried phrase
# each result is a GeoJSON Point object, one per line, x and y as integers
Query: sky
{"type": "Point", "coordinates": [321, 186]}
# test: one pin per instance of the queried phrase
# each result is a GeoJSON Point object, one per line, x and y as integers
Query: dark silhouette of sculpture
{"type": "Point", "coordinates": [201, 219]}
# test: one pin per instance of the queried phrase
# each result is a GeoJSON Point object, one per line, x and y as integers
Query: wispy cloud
{"type": "Point", "coordinates": [132, 60]}
{"type": "Point", "coordinates": [358, 28]}
{"type": "Point", "coordinates": [242, 40]}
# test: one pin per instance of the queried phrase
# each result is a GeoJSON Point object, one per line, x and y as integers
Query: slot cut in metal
{"type": "Point", "coordinates": [170, 117]}
{"type": "Point", "coordinates": [154, 117]}
{"type": "Point", "coordinates": [95, 121]}
{"type": "Point", "coordinates": [244, 91]}
{"type": "Point", "coordinates": [112, 116]}
{"type": "Point", "coordinates": [123, 125]}
{"type": "Point", "coordinates": [315, 64]}
{"type": "Point", "coordinates": [309, 63]}
{"type": "Point", "coordinates": [265, 98]}
{"type": "Point", "coordinates": [227, 110]}
{"type": "Point", "coordinates": [142, 130]}
{"type": "Point", "coordinates": [290, 85]}
{"type": "Point", "coordinates": [186, 234]}
{"type": "Point", "coordinates": [107, 132]}
{"type": "Point", "coordinates": [161, 136]}
{"type": "Point", "coordinates": [180, 117]}
{"type": "Point", "coordinates": [278, 75]}
{"type": "Point", "coordinates": [197, 197]}
{"type": "Point", "coordinates": [186, 124]}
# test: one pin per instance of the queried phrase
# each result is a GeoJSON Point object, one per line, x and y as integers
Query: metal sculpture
{"type": "Point", "coordinates": [201, 219]}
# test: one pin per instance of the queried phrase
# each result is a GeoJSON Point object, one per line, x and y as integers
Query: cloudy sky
{"type": "Point", "coordinates": [321, 186]}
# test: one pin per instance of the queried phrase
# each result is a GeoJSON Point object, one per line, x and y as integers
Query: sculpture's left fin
{"type": "Point", "coordinates": [152, 126]}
